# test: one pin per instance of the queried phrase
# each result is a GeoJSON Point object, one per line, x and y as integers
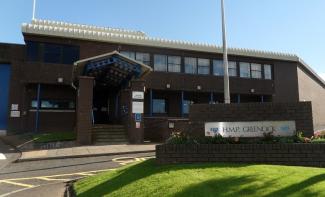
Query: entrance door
{"type": "Point", "coordinates": [4, 94]}
{"type": "Point", "coordinates": [101, 107]}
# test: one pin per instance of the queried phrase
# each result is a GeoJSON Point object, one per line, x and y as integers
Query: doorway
{"type": "Point", "coordinates": [105, 106]}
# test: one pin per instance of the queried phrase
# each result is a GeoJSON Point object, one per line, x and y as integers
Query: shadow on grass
{"type": "Point", "coordinates": [298, 187]}
{"type": "Point", "coordinates": [143, 170]}
{"type": "Point", "coordinates": [245, 185]}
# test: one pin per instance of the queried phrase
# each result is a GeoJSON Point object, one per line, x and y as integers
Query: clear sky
{"type": "Point", "coordinates": [293, 26]}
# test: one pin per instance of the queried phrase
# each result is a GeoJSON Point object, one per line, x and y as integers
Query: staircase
{"type": "Point", "coordinates": [109, 134]}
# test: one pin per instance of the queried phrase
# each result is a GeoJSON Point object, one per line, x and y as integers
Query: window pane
{"type": "Point", "coordinates": [204, 66]}
{"type": "Point", "coordinates": [159, 106]}
{"type": "Point", "coordinates": [267, 72]}
{"type": "Point", "coordinates": [174, 64]}
{"type": "Point", "coordinates": [160, 63]}
{"type": "Point", "coordinates": [129, 54]}
{"type": "Point", "coordinates": [245, 70]}
{"type": "Point", "coordinates": [52, 53]}
{"type": "Point", "coordinates": [218, 67]}
{"type": "Point", "coordinates": [143, 57]}
{"type": "Point", "coordinates": [54, 104]}
{"type": "Point", "coordinates": [70, 54]}
{"type": "Point", "coordinates": [186, 106]}
{"type": "Point", "coordinates": [256, 70]}
{"type": "Point", "coordinates": [232, 69]}
{"type": "Point", "coordinates": [190, 65]}
{"type": "Point", "coordinates": [32, 51]}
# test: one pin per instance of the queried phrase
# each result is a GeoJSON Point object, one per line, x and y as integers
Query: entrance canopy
{"type": "Point", "coordinates": [111, 69]}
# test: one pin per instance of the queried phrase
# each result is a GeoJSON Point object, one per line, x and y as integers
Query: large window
{"type": "Point", "coordinates": [54, 104]}
{"type": "Point", "coordinates": [256, 71]}
{"type": "Point", "coordinates": [52, 53]}
{"type": "Point", "coordinates": [203, 66]}
{"type": "Point", "coordinates": [232, 69]}
{"type": "Point", "coordinates": [186, 106]}
{"type": "Point", "coordinates": [218, 68]}
{"type": "Point", "coordinates": [129, 54]}
{"type": "Point", "coordinates": [190, 65]}
{"type": "Point", "coordinates": [267, 71]}
{"type": "Point", "coordinates": [159, 106]}
{"type": "Point", "coordinates": [174, 64]}
{"type": "Point", "coordinates": [244, 70]}
{"type": "Point", "coordinates": [143, 57]}
{"type": "Point", "coordinates": [160, 63]}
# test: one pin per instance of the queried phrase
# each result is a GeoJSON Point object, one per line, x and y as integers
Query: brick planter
{"type": "Point", "coordinates": [282, 154]}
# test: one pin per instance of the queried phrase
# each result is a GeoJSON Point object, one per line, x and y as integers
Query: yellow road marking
{"type": "Point", "coordinates": [19, 184]}
{"type": "Point", "coordinates": [57, 175]}
{"type": "Point", "coordinates": [50, 179]}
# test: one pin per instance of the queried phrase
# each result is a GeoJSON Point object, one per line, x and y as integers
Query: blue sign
{"type": "Point", "coordinates": [137, 117]}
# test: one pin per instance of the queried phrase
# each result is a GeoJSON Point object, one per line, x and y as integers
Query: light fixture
{"type": "Point", "coordinates": [199, 87]}
{"type": "Point", "coordinates": [252, 90]}
{"type": "Point", "coordinates": [167, 85]}
{"type": "Point", "coordinates": [60, 80]}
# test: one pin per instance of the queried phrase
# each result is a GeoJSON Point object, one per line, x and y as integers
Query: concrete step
{"type": "Point", "coordinates": [104, 126]}
{"type": "Point", "coordinates": [111, 140]}
{"type": "Point", "coordinates": [109, 134]}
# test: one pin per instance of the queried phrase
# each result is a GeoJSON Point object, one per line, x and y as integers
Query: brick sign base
{"type": "Point", "coordinates": [282, 154]}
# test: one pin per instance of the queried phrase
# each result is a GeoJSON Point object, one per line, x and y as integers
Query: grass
{"type": "Point", "coordinates": [148, 179]}
{"type": "Point", "coordinates": [53, 137]}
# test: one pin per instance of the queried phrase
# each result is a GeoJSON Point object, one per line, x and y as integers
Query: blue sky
{"type": "Point", "coordinates": [293, 26]}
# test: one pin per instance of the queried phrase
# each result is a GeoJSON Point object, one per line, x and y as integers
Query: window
{"type": "Point", "coordinates": [267, 71]}
{"type": "Point", "coordinates": [186, 106]}
{"type": "Point", "coordinates": [129, 54]}
{"type": "Point", "coordinates": [54, 104]}
{"type": "Point", "coordinates": [232, 69]}
{"type": "Point", "coordinates": [245, 70]}
{"type": "Point", "coordinates": [160, 63]}
{"type": "Point", "coordinates": [52, 53]}
{"type": "Point", "coordinates": [204, 66]}
{"type": "Point", "coordinates": [256, 70]}
{"type": "Point", "coordinates": [190, 65]}
{"type": "Point", "coordinates": [70, 54]}
{"type": "Point", "coordinates": [143, 57]}
{"type": "Point", "coordinates": [174, 64]}
{"type": "Point", "coordinates": [218, 67]}
{"type": "Point", "coordinates": [159, 106]}
{"type": "Point", "coordinates": [33, 51]}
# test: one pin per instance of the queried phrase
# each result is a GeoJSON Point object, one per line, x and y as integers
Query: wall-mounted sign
{"type": "Point", "coordinates": [15, 114]}
{"type": "Point", "coordinates": [137, 125]}
{"type": "Point", "coordinates": [250, 129]}
{"type": "Point", "coordinates": [137, 95]}
{"type": "Point", "coordinates": [14, 107]}
{"type": "Point", "coordinates": [137, 117]}
{"type": "Point", "coordinates": [137, 107]}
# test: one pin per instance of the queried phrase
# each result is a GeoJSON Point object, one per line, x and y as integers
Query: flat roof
{"type": "Point", "coordinates": [115, 35]}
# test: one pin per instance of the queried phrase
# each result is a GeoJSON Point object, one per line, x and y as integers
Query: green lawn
{"type": "Point", "coordinates": [148, 179]}
{"type": "Point", "coordinates": [55, 136]}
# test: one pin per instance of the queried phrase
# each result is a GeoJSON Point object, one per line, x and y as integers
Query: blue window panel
{"type": "Point", "coordinates": [4, 89]}
{"type": "Point", "coordinates": [159, 106]}
{"type": "Point", "coordinates": [70, 54]}
{"type": "Point", "coordinates": [33, 51]}
{"type": "Point", "coordinates": [52, 53]}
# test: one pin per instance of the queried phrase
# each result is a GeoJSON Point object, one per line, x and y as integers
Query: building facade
{"type": "Point", "coordinates": [40, 79]}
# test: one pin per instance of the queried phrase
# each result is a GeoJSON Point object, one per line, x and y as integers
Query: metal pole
{"type": "Point", "coordinates": [225, 56]}
{"type": "Point", "coordinates": [182, 103]}
{"type": "Point", "coordinates": [151, 105]}
{"type": "Point", "coordinates": [34, 8]}
{"type": "Point", "coordinates": [38, 107]}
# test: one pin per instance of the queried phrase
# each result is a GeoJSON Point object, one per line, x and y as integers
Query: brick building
{"type": "Point", "coordinates": [70, 77]}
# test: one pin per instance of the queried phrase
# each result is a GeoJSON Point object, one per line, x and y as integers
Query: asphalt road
{"type": "Point", "coordinates": [48, 177]}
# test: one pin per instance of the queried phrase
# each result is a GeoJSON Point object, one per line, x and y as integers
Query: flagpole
{"type": "Point", "coordinates": [225, 56]}
{"type": "Point", "coordinates": [34, 7]}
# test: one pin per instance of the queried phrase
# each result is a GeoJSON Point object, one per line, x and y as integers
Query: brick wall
{"type": "Point", "coordinates": [282, 154]}
{"type": "Point", "coordinates": [156, 129]}
{"type": "Point", "coordinates": [300, 112]}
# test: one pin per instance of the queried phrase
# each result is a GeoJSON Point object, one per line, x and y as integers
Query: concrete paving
{"type": "Point", "coordinates": [85, 151]}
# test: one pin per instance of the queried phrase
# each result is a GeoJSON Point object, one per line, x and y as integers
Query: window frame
{"type": "Point", "coordinates": [256, 71]}
{"type": "Point", "coordinates": [165, 106]}
{"type": "Point", "coordinates": [194, 69]}
{"type": "Point", "coordinates": [165, 66]}
{"type": "Point", "coordinates": [174, 64]}
{"type": "Point", "coordinates": [271, 72]}
{"type": "Point", "coordinates": [249, 70]}
{"type": "Point", "coordinates": [200, 66]}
